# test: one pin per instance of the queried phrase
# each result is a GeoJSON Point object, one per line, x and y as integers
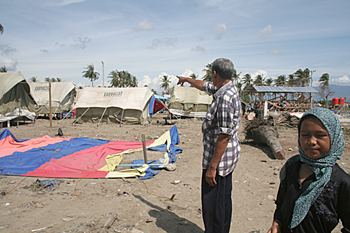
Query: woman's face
{"type": "Point", "coordinates": [314, 138]}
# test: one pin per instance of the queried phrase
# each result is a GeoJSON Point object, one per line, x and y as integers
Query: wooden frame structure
{"type": "Point", "coordinates": [284, 98]}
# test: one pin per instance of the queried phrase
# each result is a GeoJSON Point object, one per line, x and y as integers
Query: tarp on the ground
{"type": "Point", "coordinates": [62, 96]}
{"type": "Point", "coordinates": [16, 114]}
{"type": "Point", "coordinates": [189, 102]}
{"type": "Point", "coordinates": [15, 93]}
{"type": "Point", "coordinates": [127, 105]}
{"type": "Point", "coordinates": [75, 157]}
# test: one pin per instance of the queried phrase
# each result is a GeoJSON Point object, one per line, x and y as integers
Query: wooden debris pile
{"type": "Point", "coordinates": [284, 119]}
{"type": "Point", "coordinates": [263, 133]}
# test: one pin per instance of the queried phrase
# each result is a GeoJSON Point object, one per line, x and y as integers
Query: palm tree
{"type": "Point", "coordinates": [207, 76]}
{"type": "Point", "coordinates": [259, 80]}
{"type": "Point", "coordinates": [247, 80]}
{"type": "Point", "coordinates": [324, 79]}
{"type": "Point", "coordinates": [90, 73]}
{"type": "Point", "coordinates": [134, 82]}
{"type": "Point", "coordinates": [235, 77]}
{"type": "Point", "coordinates": [324, 90]}
{"type": "Point", "coordinates": [269, 81]}
{"type": "Point", "coordinates": [193, 76]}
{"type": "Point", "coordinates": [165, 82]}
{"type": "Point", "coordinates": [3, 69]}
{"type": "Point", "coordinates": [115, 78]}
{"type": "Point", "coordinates": [47, 79]}
{"type": "Point", "coordinates": [281, 80]}
{"type": "Point", "coordinates": [1, 29]}
{"type": "Point", "coordinates": [34, 79]}
{"type": "Point", "coordinates": [291, 81]}
{"type": "Point", "coordinates": [122, 79]}
{"type": "Point", "coordinates": [302, 77]}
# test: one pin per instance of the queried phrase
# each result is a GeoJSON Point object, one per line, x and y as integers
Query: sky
{"type": "Point", "coordinates": [150, 39]}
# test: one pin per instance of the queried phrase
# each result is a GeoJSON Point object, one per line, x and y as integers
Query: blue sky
{"type": "Point", "coordinates": [149, 39]}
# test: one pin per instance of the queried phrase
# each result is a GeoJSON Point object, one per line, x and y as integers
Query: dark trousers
{"type": "Point", "coordinates": [217, 204]}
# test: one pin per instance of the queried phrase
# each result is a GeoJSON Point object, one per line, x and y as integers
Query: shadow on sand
{"type": "Point", "coordinates": [169, 221]}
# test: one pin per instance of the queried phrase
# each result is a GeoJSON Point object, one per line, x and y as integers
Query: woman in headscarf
{"type": "Point", "coordinates": [314, 192]}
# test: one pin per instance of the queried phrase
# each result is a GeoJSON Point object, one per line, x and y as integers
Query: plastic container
{"type": "Point", "coordinates": [335, 101]}
{"type": "Point", "coordinates": [341, 101]}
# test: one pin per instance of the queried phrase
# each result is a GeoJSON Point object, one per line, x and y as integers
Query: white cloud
{"type": "Point", "coordinates": [169, 41]}
{"type": "Point", "coordinates": [220, 28]}
{"type": "Point", "coordinates": [274, 52]}
{"type": "Point", "coordinates": [261, 72]}
{"type": "Point", "coordinates": [144, 26]}
{"type": "Point", "coordinates": [145, 81]}
{"type": "Point", "coordinates": [65, 2]}
{"type": "Point", "coordinates": [81, 42]}
{"type": "Point", "coordinates": [199, 49]}
{"type": "Point", "coordinates": [266, 32]}
{"type": "Point", "coordinates": [344, 81]}
{"type": "Point", "coordinates": [156, 81]}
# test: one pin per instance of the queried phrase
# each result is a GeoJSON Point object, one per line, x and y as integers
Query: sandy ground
{"type": "Point", "coordinates": [86, 205]}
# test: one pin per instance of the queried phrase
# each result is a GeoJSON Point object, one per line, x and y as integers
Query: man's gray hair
{"type": "Point", "coordinates": [223, 67]}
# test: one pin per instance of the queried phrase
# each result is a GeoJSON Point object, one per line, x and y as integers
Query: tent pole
{"type": "Point", "coordinates": [50, 113]}
{"type": "Point", "coordinates": [121, 119]}
{"type": "Point", "coordinates": [65, 116]}
{"type": "Point", "coordinates": [81, 116]}
{"type": "Point", "coordinates": [101, 116]}
{"type": "Point", "coordinates": [144, 149]}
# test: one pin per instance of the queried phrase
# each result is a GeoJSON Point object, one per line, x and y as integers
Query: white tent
{"type": "Point", "coordinates": [14, 96]}
{"type": "Point", "coordinates": [189, 101]}
{"type": "Point", "coordinates": [62, 96]}
{"type": "Point", "coordinates": [127, 105]}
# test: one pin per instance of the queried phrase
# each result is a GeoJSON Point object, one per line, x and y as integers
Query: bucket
{"type": "Point", "coordinates": [341, 101]}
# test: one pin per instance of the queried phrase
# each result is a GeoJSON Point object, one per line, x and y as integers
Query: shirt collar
{"type": "Point", "coordinates": [223, 89]}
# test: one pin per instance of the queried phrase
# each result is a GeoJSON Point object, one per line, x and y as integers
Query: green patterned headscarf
{"type": "Point", "coordinates": [321, 167]}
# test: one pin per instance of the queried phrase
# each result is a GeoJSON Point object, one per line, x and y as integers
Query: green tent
{"type": "Point", "coordinates": [15, 93]}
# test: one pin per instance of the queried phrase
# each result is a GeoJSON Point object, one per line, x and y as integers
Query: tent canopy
{"type": "Point", "coordinates": [189, 101]}
{"type": "Point", "coordinates": [62, 96]}
{"type": "Point", "coordinates": [129, 105]}
{"type": "Point", "coordinates": [15, 93]}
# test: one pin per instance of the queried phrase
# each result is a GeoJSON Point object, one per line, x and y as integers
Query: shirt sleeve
{"type": "Point", "coordinates": [229, 113]}
{"type": "Point", "coordinates": [280, 196]}
{"type": "Point", "coordinates": [209, 88]}
{"type": "Point", "coordinates": [344, 205]}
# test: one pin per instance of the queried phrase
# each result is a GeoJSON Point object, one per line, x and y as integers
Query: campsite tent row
{"type": "Point", "coordinates": [128, 105]}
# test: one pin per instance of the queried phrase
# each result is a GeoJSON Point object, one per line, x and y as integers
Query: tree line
{"type": "Point", "coordinates": [298, 78]}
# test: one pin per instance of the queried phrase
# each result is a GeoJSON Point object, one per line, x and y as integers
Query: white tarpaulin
{"type": "Point", "coordinates": [129, 105]}
{"type": "Point", "coordinates": [16, 114]}
{"type": "Point", "coordinates": [62, 96]}
{"type": "Point", "coordinates": [189, 101]}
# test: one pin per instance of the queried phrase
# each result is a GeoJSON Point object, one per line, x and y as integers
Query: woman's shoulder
{"type": "Point", "coordinates": [340, 176]}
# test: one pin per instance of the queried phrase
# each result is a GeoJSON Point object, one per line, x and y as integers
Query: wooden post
{"type": "Point", "coordinates": [144, 148]}
{"type": "Point", "coordinates": [50, 113]}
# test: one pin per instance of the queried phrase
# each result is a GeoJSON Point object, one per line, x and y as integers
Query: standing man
{"type": "Point", "coordinates": [221, 145]}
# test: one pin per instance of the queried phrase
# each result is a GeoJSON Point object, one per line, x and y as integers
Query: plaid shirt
{"type": "Point", "coordinates": [223, 116]}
